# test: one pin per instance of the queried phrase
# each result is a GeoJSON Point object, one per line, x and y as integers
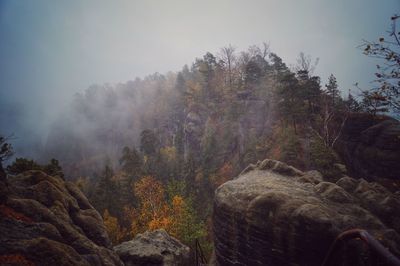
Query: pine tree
{"type": "Point", "coordinates": [132, 167]}
{"type": "Point", "coordinates": [149, 143]}
{"type": "Point", "coordinates": [131, 162]}
{"type": "Point", "coordinates": [332, 90]}
{"type": "Point", "coordinates": [106, 194]}
{"type": "Point", "coordinates": [290, 102]}
{"type": "Point", "coordinates": [21, 165]}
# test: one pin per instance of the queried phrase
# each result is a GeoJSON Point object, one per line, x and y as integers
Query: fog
{"type": "Point", "coordinates": [50, 50]}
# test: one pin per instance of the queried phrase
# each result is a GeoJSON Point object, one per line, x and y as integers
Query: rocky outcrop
{"type": "Point", "coordinates": [370, 146]}
{"type": "Point", "coordinates": [254, 120]}
{"type": "Point", "coordinates": [193, 130]}
{"type": "Point", "coordinates": [275, 214]}
{"type": "Point", "coordinates": [47, 221]}
{"type": "Point", "coordinates": [153, 248]}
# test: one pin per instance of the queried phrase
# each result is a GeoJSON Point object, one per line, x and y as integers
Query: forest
{"type": "Point", "coordinates": [150, 153]}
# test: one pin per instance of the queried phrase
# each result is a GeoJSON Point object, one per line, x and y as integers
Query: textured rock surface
{"type": "Point", "coordinates": [371, 146]}
{"type": "Point", "coordinates": [274, 214]}
{"type": "Point", "coordinates": [153, 248]}
{"type": "Point", "coordinates": [47, 221]}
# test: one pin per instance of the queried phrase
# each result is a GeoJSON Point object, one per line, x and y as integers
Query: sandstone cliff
{"type": "Point", "coordinates": [274, 214]}
{"type": "Point", "coordinates": [370, 146]}
{"type": "Point", "coordinates": [47, 221]}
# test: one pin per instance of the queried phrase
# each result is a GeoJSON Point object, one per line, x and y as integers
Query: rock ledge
{"type": "Point", "coordinates": [47, 221]}
{"type": "Point", "coordinates": [153, 248]}
{"type": "Point", "coordinates": [275, 214]}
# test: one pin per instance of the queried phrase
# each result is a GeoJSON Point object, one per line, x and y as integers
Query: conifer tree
{"type": "Point", "coordinates": [131, 162]}
{"type": "Point", "coordinates": [332, 90]}
{"type": "Point", "coordinates": [106, 194]}
{"type": "Point", "coordinates": [149, 143]}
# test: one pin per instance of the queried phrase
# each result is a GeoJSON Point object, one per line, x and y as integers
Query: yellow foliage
{"type": "Point", "coordinates": [150, 192]}
{"type": "Point", "coordinates": [193, 93]}
{"type": "Point", "coordinates": [177, 202]}
{"type": "Point", "coordinates": [162, 222]}
{"type": "Point", "coordinates": [168, 153]}
{"type": "Point", "coordinates": [115, 232]}
{"type": "Point", "coordinates": [155, 212]}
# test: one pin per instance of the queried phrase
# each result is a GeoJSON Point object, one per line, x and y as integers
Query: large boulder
{"type": "Point", "coordinates": [370, 146]}
{"type": "Point", "coordinates": [153, 248]}
{"type": "Point", "coordinates": [47, 221]}
{"type": "Point", "coordinates": [275, 214]}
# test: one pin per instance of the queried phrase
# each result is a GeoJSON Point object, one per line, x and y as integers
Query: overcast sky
{"type": "Point", "coordinates": [51, 49]}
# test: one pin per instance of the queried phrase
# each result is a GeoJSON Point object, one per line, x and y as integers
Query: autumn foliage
{"type": "Point", "coordinates": [15, 259]}
{"type": "Point", "coordinates": [114, 230]}
{"type": "Point", "coordinates": [156, 209]}
{"type": "Point", "coordinates": [223, 174]}
{"type": "Point", "coordinates": [6, 211]}
{"type": "Point", "coordinates": [153, 210]}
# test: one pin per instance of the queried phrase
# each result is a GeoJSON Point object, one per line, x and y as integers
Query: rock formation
{"type": "Point", "coordinates": [370, 146]}
{"type": "Point", "coordinates": [153, 248]}
{"type": "Point", "coordinates": [275, 214]}
{"type": "Point", "coordinates": [47, 221]}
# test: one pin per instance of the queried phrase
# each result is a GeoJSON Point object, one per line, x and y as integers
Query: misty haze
{"type": "Point", "coordinates": [200, 132]}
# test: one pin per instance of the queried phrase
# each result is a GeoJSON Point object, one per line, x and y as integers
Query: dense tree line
{"type": "Point", "coordinates": [150, 153]}
{"type": "Point", "coordinates": [203, 130]}
{"type": "Point", "coordinates": [182, 135]}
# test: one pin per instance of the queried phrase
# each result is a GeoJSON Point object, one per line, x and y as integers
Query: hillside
{"type": "Point", "coordinates": [149, 154]}
{"type": "Point", "coordinates": [181, 135]}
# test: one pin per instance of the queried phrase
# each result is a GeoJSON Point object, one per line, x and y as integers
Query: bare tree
{"type": "Point", "coordinates": [262, 52]}
{"type": "Point", "coordinates": [252, 53]}
{"type": "Point", "coordinates": [227, 55]}
{"type": "Point", "coordinates": [304, 64]}
{"type": "Point", "coordinates": [328, 129]}
{"type": "Point", "coordinates": [388, 72]}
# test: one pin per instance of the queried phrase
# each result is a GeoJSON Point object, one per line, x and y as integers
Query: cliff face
{"type": "Point", "coordinates": [370, 146]}
{"type": "Point", "coordinates": [274, 214]}
{"type": "Point", "coordinates": [47, 221]}
{"type": "Point", "coordinates": [252, 120]}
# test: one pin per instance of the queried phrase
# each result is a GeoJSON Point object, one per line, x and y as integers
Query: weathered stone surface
{"type": "Point", "coordinates": [342, 168]}
{"type": "Point", "coordinates": [274, 214]}
{"type": "Point", "coordinates": [47, 221]}
{"type": "Point", "coordinates": [370, 146]}
{"type": "Point", "coordinates": [153, 248]}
